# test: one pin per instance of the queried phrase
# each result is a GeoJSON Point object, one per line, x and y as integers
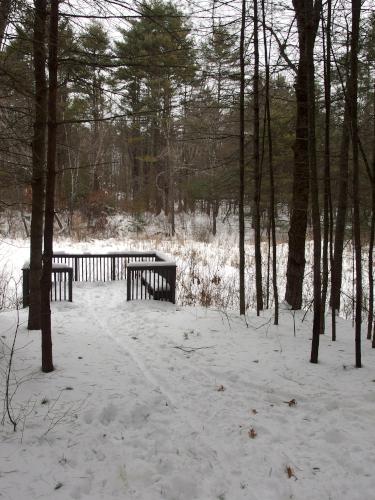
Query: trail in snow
{"type": "Point", "coordinates": [127, 415]}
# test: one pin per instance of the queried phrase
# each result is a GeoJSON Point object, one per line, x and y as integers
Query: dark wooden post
{"type": "Point", "coordinates": [113, 268]}
{"type": "Point", "coordinates": [76, 275]}
{"type": "Point", "coordinates": [128, 278]}
{"type": "Point", "coordinates": [173, 285]}
{"type": "Point", "coordinates": [25, 286]}
{"type": "Point", "coordinates": [70, 284]}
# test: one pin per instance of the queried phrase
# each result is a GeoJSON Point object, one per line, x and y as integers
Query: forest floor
{"type": "Point", "coordinates": [152, 400]}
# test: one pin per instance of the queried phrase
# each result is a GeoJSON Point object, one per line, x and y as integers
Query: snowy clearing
{"type": "Point", "coordinates": [150, 400]}
{"type": "Point", "coordinates": [207, 272]}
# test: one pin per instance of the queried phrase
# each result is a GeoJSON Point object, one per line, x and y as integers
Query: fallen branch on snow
{"type": "Point", "coordinates": [192, 349]}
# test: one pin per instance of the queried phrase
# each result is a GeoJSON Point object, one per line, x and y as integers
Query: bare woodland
{"type": "Point", "coordinates": [263, 109]}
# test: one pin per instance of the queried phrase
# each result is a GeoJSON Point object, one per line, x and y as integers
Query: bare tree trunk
{"type": "Point", "coordinates": [171, 176]}
{"type": "Point", "coordinates": [257, 176]}
{"type": "Point", "coordinates": [327, 160]}
{"type": "Point", "coordinates": [298, 220]}
{"type": "Point", "coordinates": [356, 14]}
{"type": "Point", "coordinates": [312, 13]}
{"type": "Point", "coordinates": [47, 359]}
{"type": "Point", "coordinates": [271, 172]}
{"type": "Point", "coordinates": [96, 181]}
{"type": "Point", "coordinates": [241, 215]}
{"type": "Point", "coordinates": [342, 207]}
{"type": "Point", "coordinates": [301, 174]}
{"type": "Point", "coordinates": [38, 163]}
{"type": "Point", "coordinates": [268, 273]}
{"type": "Point", "coordinates": [342, 204]}
{"type": "Point", "coordinates": [156, 190]}
{"type": "Point", "coordinates": [135, 149]}
{"type": "Point", "coordinates": [370, 323]}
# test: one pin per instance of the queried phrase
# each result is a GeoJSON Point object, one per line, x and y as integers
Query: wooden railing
{"type": "Point", "coordinates": [111, 266]}
{"type": "Point", "coordinates": [61, 285]}
{"type": "Point", "coordinates": [149, 275]}
{"type": "Point", "coordinates": [155, 280]}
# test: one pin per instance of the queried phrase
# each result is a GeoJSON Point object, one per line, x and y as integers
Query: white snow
{"type": "Point", "coordinates": [151, 400]}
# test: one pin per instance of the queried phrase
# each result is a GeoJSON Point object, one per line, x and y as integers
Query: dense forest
{"type": "Point", "coordinates": [263, 109]}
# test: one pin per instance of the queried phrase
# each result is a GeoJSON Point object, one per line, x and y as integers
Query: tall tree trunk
{"type": "Point", "coordinates": [371, 244]}
{"type": "Point", "coordinates": [342, 204]}
{"type": "Point", "coordinates": [38, 162]}
{"type": "Point", "coordinates": [171, 177]}
{"type": "Point", "coordinates": [327, 160]}
{"type": "Point", "coordinates": [271, 171]}
{"type": "Point", "coordinates": [312, 14]}
{"type": "Point", "coordinates": [216, 203]}
{"type": "Point", "coordinates": [96, 181]}
{"type": "Point", "coordinates": [134, 149]}
{"type": "Point", "coordinates": [241, 215]}
{"type": "Point", "coordinates": [301, 174]}
{"type": "Point", "coordinates": [156, 167]}
{"type": "Point", "coordinates": [298, 220]}
{"type": "Point", "coordinates": [257, 177]}
{"type": "Point", "coordinates": [47, 359]}
{"type": "Point", "coordinates": [342, 208]}
{"type": "Point", "coordinates": [353, 96]}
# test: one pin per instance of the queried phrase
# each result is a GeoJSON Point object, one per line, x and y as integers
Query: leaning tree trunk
{"type": "Point", "coordinates": [241, 216]}
{"type": "Point", "coordinates": [38, 163]}
{"type": "Point", "coordinates": [47, 360]}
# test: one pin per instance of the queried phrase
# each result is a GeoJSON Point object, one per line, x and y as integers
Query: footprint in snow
{"type": "Point", "coordinates": [108, 414]}
{"type": "Point", "coordinates": [88, 416]}
{"type": "Point", "coordinates": [334, 436]}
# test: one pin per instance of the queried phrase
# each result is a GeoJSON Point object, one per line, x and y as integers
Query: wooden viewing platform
{"type": "Point", "coordinates": [148, 275]}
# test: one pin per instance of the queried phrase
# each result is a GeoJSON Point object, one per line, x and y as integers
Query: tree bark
{"type": "Point", "coordinates": [371, 244]}
{"type": "Point", "coordinates": [257, 176]}
{"type": "Point", "coordinates": [327, 221]}
{"type": "Point", "coordinates": [356, 14]}
{"type": "Point", "coordinates": [271, 172]}
{"type": "Point", "coordinates": [241, 215]}
{"type": "Point", "coordinates": [301, 174]}
{"type": "Point", "coordinates": [342, 208]}
{"type": "Point", "coordinates": [312, 13]}
{"type": "Point", "coordinates": [47, 359]}
{"type": "Point", "coordinates": [38, 163]}
{"type": "Point", "coordinates": [300, 199]}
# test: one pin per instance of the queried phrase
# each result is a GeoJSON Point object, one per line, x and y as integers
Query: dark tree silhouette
{"type": "Point", "coordinates": [38, 163]}
{"type": "Point", "coordinates": [47, 358]}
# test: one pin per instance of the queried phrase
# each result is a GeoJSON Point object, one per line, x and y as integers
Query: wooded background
{"type": "Point", "coordinates": [260, 108]}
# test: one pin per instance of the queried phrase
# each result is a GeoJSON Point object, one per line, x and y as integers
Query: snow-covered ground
{"type": "Point", "coordinates": [152, 400]}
